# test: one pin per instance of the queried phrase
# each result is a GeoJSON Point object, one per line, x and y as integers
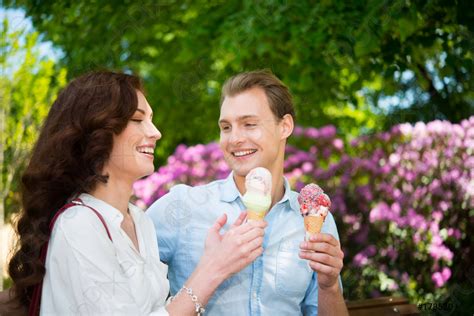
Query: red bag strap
{"type": "Point", "coordinates": [34, 307]}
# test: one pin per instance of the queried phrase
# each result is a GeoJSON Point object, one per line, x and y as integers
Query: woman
{"type": "Point", "coordinates": [102, 256]}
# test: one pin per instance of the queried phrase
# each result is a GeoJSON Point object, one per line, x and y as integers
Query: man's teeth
{"type": "Point", "coordinates": [243, 153]}
{"type": "Point", "coordinates": [145, 150]}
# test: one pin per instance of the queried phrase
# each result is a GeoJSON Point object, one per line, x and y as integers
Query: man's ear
{"type": "Point", "coordinates": [287, 125]}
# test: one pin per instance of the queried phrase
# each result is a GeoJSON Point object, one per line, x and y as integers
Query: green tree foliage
{"type": "Point", "coordinates": [28, 85]}
{"type": "Point", "coordinates": [341, 59]}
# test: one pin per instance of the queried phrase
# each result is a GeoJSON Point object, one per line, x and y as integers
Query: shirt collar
{"type": "Point", "coordinates": [110, 213]}
{"type": "Point", "coordinates": [229, 192]}
{"type": "Point", "coordinates": [290, 197]}
{"type": "Point", "coordinates": [228, 189]}
{"type": "Point", "coordinates": [286, 195]}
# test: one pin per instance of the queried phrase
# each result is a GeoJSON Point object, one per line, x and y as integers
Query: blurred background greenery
{"type": "Point", "coordinates": [362, 66]}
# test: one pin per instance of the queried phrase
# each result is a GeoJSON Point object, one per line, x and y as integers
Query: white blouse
{"type": "Point", "coordinates": [87, 274]}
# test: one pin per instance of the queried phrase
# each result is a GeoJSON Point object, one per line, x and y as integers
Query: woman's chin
{"type": "Point", "coordinates": [146, 173]}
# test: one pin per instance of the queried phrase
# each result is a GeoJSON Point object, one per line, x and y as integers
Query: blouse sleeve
{"type": "Point", "coordinates": [83, 275]}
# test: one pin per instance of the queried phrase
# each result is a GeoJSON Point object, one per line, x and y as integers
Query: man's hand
{"type": "Point", "coordinates": [325, 257]}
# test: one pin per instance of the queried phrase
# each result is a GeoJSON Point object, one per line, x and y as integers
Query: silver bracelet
{"type": "Point", "coordinates": [199, 308]}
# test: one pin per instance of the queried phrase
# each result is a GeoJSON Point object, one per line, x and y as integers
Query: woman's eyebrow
{"type": "Point", "coordinates": [143, 112]}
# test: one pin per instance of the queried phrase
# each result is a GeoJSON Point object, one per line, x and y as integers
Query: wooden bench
{"type": "Point", "coordinates": [382, 306]}
{"type": "Point", "coordinates": [373, 307]}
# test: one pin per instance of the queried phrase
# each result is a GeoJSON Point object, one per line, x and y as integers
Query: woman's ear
{"type": "Point", "coordinates": [287, 125]}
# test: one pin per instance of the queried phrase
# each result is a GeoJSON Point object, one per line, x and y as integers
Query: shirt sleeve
{"type": "Point", "coordinates": [84, 276]}
{"type": "Point", "coordinates": [309, 306]}
{"type": "Point", "coordinates": [167, 214]}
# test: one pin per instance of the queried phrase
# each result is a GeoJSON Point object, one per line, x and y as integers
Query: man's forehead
{"type": "Point", "coordinates": [243, 106]}
{"type": "Point", "coordinates": [250, 96]}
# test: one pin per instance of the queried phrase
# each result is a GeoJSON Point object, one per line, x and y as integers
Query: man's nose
{"type": "Point", "coordinates": [236, 136]}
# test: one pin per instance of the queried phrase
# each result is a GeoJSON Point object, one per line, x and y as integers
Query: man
{"type": "Point", "coordinates": [291, 277]}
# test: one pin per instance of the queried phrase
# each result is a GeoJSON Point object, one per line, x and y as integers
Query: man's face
{"type": "Point", "coordinates": [250, 135]}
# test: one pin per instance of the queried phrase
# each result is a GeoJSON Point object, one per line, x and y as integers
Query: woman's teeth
{"type": "Point", "coordinates": [145, 150]}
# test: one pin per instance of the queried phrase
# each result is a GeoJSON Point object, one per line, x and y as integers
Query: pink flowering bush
{"type": "Point", "coordinates": [403, 201]}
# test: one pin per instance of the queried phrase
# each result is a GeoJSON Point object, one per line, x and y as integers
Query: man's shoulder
{"type": "Point", "coordinates": [185, 191]}
{"type": "Point", "coordinates": [187, 194]}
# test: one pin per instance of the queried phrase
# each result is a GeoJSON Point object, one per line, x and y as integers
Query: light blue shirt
{"type": "Point", "coordinates": [276, 283]}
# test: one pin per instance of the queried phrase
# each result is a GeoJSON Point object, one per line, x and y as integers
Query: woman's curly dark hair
{"type": "Point", "coordinates": [68, 158]}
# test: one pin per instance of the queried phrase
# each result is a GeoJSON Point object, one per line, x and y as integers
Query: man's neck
{"type": "Point", "coordinates": [278, 186]}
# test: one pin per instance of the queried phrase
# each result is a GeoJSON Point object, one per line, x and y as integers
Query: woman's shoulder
{"type": "Point", "coordinates": [79, 230]}
{"type": "Point", "coordinates": [76, 215]}
{"type": "Point", "coordinates": [78, 221]}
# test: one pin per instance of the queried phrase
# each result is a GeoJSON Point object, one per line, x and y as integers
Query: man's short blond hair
{"type": "Point", "coordinates": [278, 95]}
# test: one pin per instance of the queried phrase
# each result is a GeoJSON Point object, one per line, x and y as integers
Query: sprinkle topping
{"type": "Point", "coordinates": [314, 201]}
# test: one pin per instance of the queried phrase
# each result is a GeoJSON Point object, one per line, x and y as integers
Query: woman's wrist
{"type": "Point", "coordinates": [198, 306]}
{"type": "Point", "coordinates": [201, 284]}
{"type": "Point", "coordinates": [211, 272]}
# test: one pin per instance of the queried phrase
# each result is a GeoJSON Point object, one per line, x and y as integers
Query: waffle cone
{"type": "Point", "coordinates": [256, 216]}
{"type": "Point", "coordinates": [313, 224]}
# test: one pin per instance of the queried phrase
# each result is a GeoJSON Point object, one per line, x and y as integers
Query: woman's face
{"type": "Point", "coordinates": [132, 153]}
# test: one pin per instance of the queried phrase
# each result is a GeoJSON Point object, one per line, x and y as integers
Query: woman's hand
{"type": "Point", "coordinates": [236, 248]}
{"type": "Point", "coordinates": [224, 255]}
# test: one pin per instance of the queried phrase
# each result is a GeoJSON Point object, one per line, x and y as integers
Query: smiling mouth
{"type": "Point", "coordinates": [243, 153]}
{"type": "Point", "coordinates": [149, 151]}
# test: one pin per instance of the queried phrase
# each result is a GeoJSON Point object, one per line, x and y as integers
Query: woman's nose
{"type": "Point", "coordinates": [153, 132]}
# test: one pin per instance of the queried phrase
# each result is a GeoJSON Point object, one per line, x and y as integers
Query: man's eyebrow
{"type": "Point", "coordinates": [240, 118]}
{"type": "Point", "coordinates": [244, 117]}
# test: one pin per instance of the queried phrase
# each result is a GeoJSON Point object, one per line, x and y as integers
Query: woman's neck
{"type": "Point", "coordinates": [115, 192]}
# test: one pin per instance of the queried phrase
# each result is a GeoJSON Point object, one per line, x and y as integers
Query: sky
{"type": "Point", "coordinates": [18, 21]}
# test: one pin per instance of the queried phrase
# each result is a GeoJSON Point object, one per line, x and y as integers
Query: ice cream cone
{"type": "Point", "coordinates": [257, 198]}
{"type": "Point", "coordinates": [313, 225]}
{"type": "Point", "coordinates": [314, 207]}
{"type": "Point", "coordinates": [256, 216]}
{"type": "Point", "coordinates": [257, 206]}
